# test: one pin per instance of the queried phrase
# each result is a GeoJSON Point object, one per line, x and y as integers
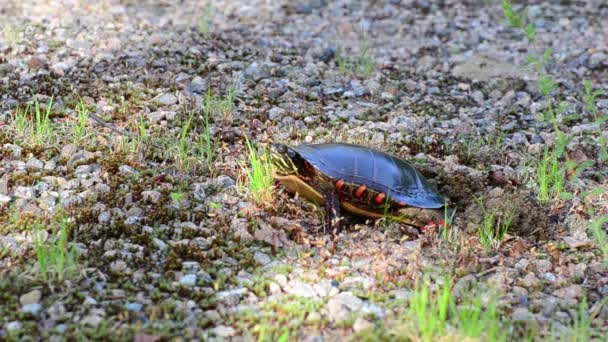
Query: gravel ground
{"type": "Point", "coordinates": [162, 247]}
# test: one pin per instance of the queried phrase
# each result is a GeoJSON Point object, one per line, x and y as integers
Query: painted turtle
{"type": "Point", "coordinates": [362, 181]}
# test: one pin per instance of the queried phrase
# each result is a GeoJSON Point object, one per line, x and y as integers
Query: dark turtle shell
{"type": "Point", "coordinates": [377, 170]}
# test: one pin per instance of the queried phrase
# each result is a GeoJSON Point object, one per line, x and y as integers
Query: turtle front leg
{"type": "Point", "coordinates": [333, 222]}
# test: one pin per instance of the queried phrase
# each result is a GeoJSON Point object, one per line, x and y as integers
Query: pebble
{"type": "Point", "coordinates": [530, 280]}
{"type": "Point", "coordinates": [274, 288]}
{"type": "Point", "coordinates": [161, 115]}
{"type": "Point", "coordinates": [35, 163]}
{"type": "Point", "coordinates": [31, 308]}
{"type": "Point", "coordinates": [341, 306]}
{"type": "Point", "coordinates": [280, 279]}
{"type": "Point", "coordinates": [326, 288]}
{"type": "Point", "coordinates": [401, 294]}
{"type": "Point", "coordinates": [137, 307]}
{"type": "Point", "coordinates": [25, 192]}
{"type": "Point", "coordinates": [361, 324]}
{"type": "Point", "coordinates": [542, 265]}
{"type": "Point", "coordinates": [89, 301]}
{"type": "Point", "coordinates": [570, 293]}
{"type": "Point", "coordinates": [167, 99]}
{"type": "Point", "coordinates": [231, 297]}
{"type": "Point", "coordinates": [126, 170]}
{"type": "Point", "coordinates": [118, 266]}
{"type": "Point", "coordinates": [550, 277]}
{"type": "Point", "coordinates": [31, 297]}
{"type": "Point", "coordinates": [223, 331]}
{"type": "Point", "coordinates": [188, 280]}
{"type": "Point", "coordinates": [13, 325]}
{"type": "Point", "coordinates": [522, 265]}
{"type": "Point", "coordinates": [92, 320]}
{"type": "Point", "coordinates": [262, 258]}
{"type": "Point", "coordinates": [300, 289]}
{"type": "Point", "coordinates": [522, 315]}
{"type": "Point", "coordinates": [276, 113]}
{"type": "Point", "coordinates": [598, 60]}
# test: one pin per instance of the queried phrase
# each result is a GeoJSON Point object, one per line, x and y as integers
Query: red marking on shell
{"type": "Point", "coordinates": [379, 199]}
{"type": "Point", "coordinates": [339, 184]}
{"type": "Point", "coordinates": [360, 190]}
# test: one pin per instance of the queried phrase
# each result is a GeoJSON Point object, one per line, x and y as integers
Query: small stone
{"type": "Point", "coordinates": [262, 258]}
{"type": "Point", "coordinates": [137, 307]}
{"type": "Point", "coordinates": [530, 280]}
{"type": "Point", "coordinates": [276, 113]}
{"type": "Point", "coordinates": [25, 192]}
{"type": "Point", "coordinates": [301, 289]}
{"type": "Point", "coordinates": [152, 196]}
{"type": "Point", "coordinates": [223, 331]}
{"type": "Point", "coordinates": [522, 315]}
{"type": "Point", "coordinates": [3, 186]}
{"type": "Point", "coordinates": [274, 288]}
{"type": "Point", "coordinates": [167, 99]}
{"type": "Point", "coordinates": [361, 324]}
{"type": "Point", "coordinates": [543, 265]}
{"type": "Point", "coordinates": [598, 60]}
{"type": "Point", "coordinates": [387, 96]}
{"type": "Point", "coordinates": [522, 264]}
{"type": "Point", "coordinates": [579, 270]}
{"type": "Point", "coordinates": [519, 138]}
{"type": "Point", "coordinates": [358, 89]}
{"type": "Point", "coordinates": [191, 266]}
{"type": "Point", "coordinates": [213, 315]}
{"type": "Point", "coordinates": [31, 297]}
{"type": "Point", "coordinates": [256, 72]}
{"type": "Point", "coordinates": [570, 293]}
{"type": "Point", "coordinates": [356, 281]}
{"type": "Point", "coordinates": [325, 288]}
{"type": "Point", "coordinates": [341, 306]}
{"type": "Point", "coordinates": [231, 297]}
{"type": "Point", "coordinates": [31, 308]}
{"type": "Point", "coordinates": [160, 244]}
{"type": "Point", "coordinates": [90, 301]}
{"type": "Point", "coordinates": [104, 217]}
{"type": "Point", "coordinates": [4, 199]}
{"type": "Point", "coordinates": [126, 170]}
{"type": "Point", "coordinates": [280, 279]}
{"type": "Point", "coordinates": [118, 266]}
{"type": "Point", "coordinates": [161, 115]}
{"type": "Point", "coordinates": [401, 294]}
{"type": "Point", "coordinates": [92, 320]}
{"type": "Point", "coordinates": [13, 325]}
{"type": "Point", "coordinates": [550, 305]}
{"type": "Point", "coordinates": [15, 150]}
{"type": "Point", "coordinates": [550, 277]}
{"type": "Point", "coordinates": [35, 163]}
{"type": "Point", "coordinates": [60, 68]}
{"type": "Point", "coordinates": [433, 90]}
{"type": "Point", "coordinates": [313, 317]}
{"type": "Point", "coordinates": [478, 97]}
{"type": "Point", "coordinates": [188, 280]}
{"type": "Point", "coordinates": [373, 309]}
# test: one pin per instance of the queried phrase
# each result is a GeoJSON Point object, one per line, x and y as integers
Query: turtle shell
{"type": "Point", "coordinates": [378, 171]}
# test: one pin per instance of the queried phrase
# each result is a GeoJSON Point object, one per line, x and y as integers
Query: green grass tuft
{"type": "Point", "coordinates": [56, 260]}
{"type": "Point", "coordinates": [259, 175]}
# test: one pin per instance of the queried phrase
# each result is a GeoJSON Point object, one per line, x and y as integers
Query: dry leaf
{"type": "Point", "coordinates": [576, 243]}
{"type": "Point", "coordinates": [276, 238]}
{"type": "Point", "coordinates": [518, 248]}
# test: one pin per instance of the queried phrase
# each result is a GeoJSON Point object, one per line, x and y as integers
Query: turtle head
{"type": "Point", "coordinates": [284, 159]}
